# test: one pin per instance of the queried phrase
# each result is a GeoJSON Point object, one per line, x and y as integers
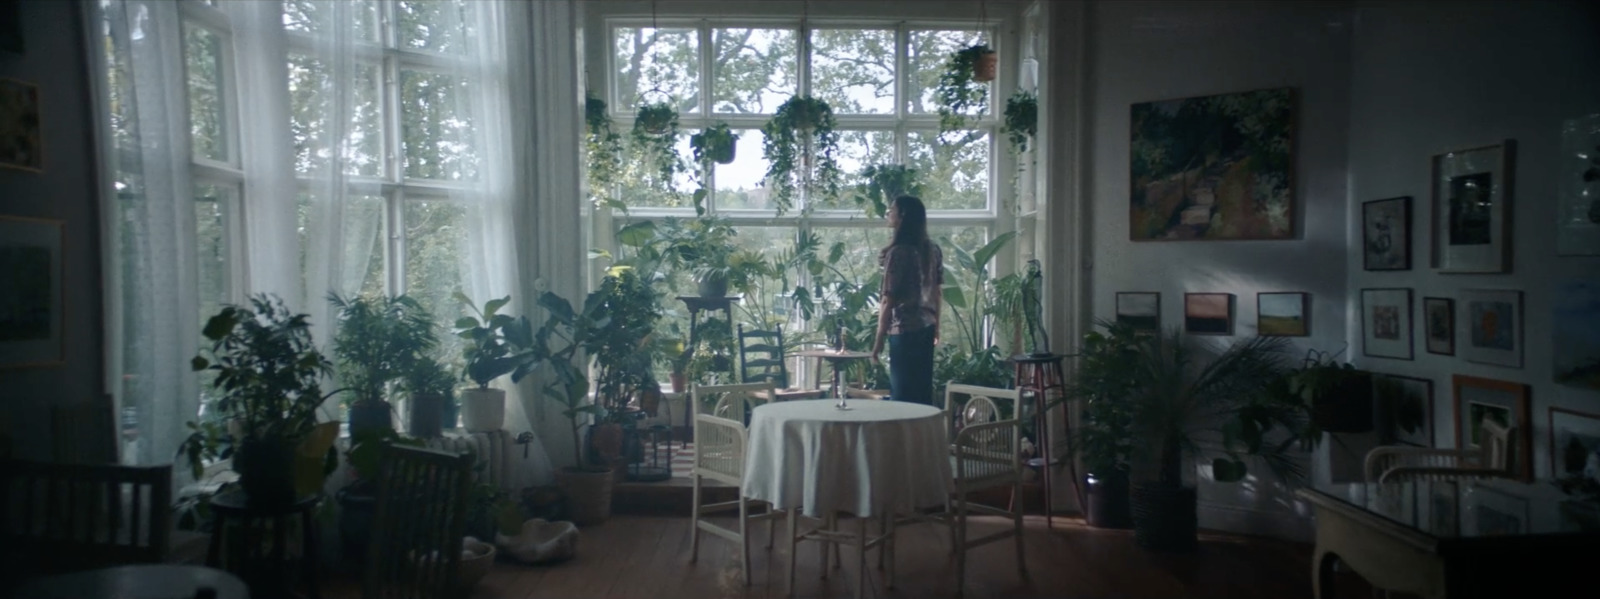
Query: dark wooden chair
{"type": "Point", "coordinates": [422, 505]}
{"type": "Point", "coordinates": [57, 518]}
{"type": "Point", "coordinates": [761, 360]}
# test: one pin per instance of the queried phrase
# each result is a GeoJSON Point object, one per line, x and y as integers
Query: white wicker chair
{"type": "Point", "coordinates": [720, 439]}
{"type": "Point", "coordinates": [1401, 464]}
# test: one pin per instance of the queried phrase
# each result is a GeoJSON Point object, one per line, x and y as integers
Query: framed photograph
{"type": "Point", "coordinates": [21, 146]}
{"type": "Point", "coordinates": [1405, 409]}
{"type": "Point", "coordinates": [1208, 313]}
{"type": "Point", "coordinates": [31, 304]}
{"type": "Point", "coordinates": [1507, 403]}
{"type": "Point", "coordinates": [1141, 309]}
{"type": "Point", "coordinates": [1490, 511]}
{"type": "Point", "coordinates": [1386, 234]}
{"type": "Point", "coordinates": [1472, 209]}
{"type": "Point", "coordinates": [1444, 508]}
{"type": "Point", "coordinates": [1574, 443]}
{"type": "Point", "coordinates": [1578, 188]}
{"type": "Point", "coordinates": [1576, 331]}
{"type": "Point", "coordinates": [1283, 314]}
{"type": "Point", "coordinates": [1237, 184]}
{"type": "Point", "coordinates": [1490, 322]}
{"type": "Point", "coordinates": [1386, 323]}
{"type": "Point", "coordinates": [1439, 322]}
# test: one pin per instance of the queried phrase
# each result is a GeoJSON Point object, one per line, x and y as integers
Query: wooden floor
{"type": "Point", "coordinates": [647, 557]}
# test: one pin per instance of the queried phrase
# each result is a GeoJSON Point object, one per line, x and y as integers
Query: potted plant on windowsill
{"type": "Point", "coordinates": [801, 145]}
{"type": "Point", "coordinates": [963, 88]}
{"type": "Point", "coordinates": [496, 346]}
{"type": "Point", "coordinates": [268, 374]}
{"type": "Point", "coordinates": [1340, 395]}
{"type": "Point", "coordinates": [430, 386]}
{"type": "Point", "coordinates": [377, 340]}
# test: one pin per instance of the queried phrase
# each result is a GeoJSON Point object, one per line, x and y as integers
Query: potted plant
{"type": "Point", "coordinates": [704, 245]}
{"type": "Point", "coordinates": [654, 140]}
{"type": "Point", "coordinates": [496, 346]}
{"type": "Point", "coordinates": [1021, 120]}
{"type": "Point", "coordinates": [716, 143]}
{"type": "Point", "coordinates": [377, 340]}
{"type": "Point", "coordinates": [430, 386]}
{"type": "Point", "coordinates": [1102, 386]}
{"type": "Point", "coordinates": [960, 90]}
{"type": "Point", "coordinates": [603, 151]}
{"type": "Point", "coordinates": [801, 146]}
{"type": "Point", "coordinates": [1340, 395]}
{"type": "Point", "coordinates": [268, 375]}
{"type": "Point", "coordinates": [882, 183]}
{"type": "Point", "coordinates": [565, 332]}
{"type": "Point", "coordinates": [624, 360]}
{"type": "Point", "coordinates": [1174, 393]}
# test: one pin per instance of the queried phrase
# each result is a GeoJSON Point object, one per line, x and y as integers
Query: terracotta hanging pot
{"type": "Point", "coordinates": [988, 64]}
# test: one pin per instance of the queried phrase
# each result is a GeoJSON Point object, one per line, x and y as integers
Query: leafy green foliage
{"type": "Point", "coordinates": [1021, 122]}
{"type": "Point", "coordinates": [801, 149]}
{"type": "Point", "coordinates": [654, 139]}
{"type": "Point", "coordinates": [603, 151]}
{"type": "Point", "coordinates": [622, 351]}
{"type": "Point", "coordinates": [1104, 382]}
{"type": "Point", "coordinates": [882, 183]}
{"type": "Point", "coordinates": [496, 343]}
{"type": "Point", "coordinates": [378, 340]}
{"type": "Point", "coordinates": [957, 94]}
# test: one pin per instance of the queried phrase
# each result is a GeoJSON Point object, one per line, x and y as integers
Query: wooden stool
{"type": "Point", "coordinates": [263, 568]}
{"type": "Point", "coordinates": [1038, 375]}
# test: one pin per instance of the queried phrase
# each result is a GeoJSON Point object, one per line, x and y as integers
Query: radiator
{"type": "Point", "coordinates": [500, 460]}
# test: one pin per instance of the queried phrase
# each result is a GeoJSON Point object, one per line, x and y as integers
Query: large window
{"type": "Point", "coordinates": [879, 82]}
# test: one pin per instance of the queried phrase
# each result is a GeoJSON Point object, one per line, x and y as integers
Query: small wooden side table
{"type": "Point", "coordinates": [264, 566]}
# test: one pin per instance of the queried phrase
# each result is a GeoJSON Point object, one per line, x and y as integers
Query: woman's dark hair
{"type": "Point", "coordinates": [913, 229]}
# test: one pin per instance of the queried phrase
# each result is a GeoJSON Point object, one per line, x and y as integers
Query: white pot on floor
{"type": "Point", "coordinates": [483, 410]}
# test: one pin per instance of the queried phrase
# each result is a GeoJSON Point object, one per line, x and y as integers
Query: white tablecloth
{"type": "Point", "coordinates": [880, 455]}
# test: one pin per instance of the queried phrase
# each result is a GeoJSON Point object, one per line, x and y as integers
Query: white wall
{"type": "Point", "coordinates": [1143, 51]}
{"type": "Point", "coordinates": [1426, 81]}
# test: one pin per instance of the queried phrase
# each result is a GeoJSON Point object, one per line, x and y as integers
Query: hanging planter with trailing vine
{"type": "Point", "coordinates": [603, 151]}
{"type": "Point", "coordinates": [655, 139]}
{"type": "Point", "coordinates": [716, 143]}
{"type": "Point", "coordinates": [882, 183]}
{"type": "Point", "coordinates": [1021, 122]}
{"type": "Point", "coordinates": [960, 90]}
{"type": "Point", "coordinates": [801, 146]}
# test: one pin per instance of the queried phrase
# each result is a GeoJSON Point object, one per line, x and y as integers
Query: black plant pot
{"type": "Point", "coordinates": [713, 286]}
{"type": "Point", "coordinates": [357, 508]}
{"type": "Point", "coordinates": [368, 415]}
{"type": "Point", "coordinates": [1109, 505]}
{"type": "Point", "coordinates": [427, 415]}
{"type": "Point", "coordinates": [1164, 517]}
{"type": "Point", "coordinates": [266, 471]}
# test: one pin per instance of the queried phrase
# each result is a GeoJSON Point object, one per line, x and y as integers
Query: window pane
{"type": "Point", "coordinates": [954, 168]}
{"type": "Point", "coordinates": [927, 54]}
{"type": "Point", "coordinates": [444, 26]}
{"type": "Point", "coordinates": [360, 258]}
{"type": "Point", "coordinates": [853, 70]}
{"type": "Point", "coordinates": [753, 70]}
{"type": "Point", "coordinates": [208, 119]}
{"type": "Point", "coordinates": [437, 125]}
{"type": "Point", "coordinates": [656, 64]}
{"type": "Point", "coordinates": [739, 185]}
{"type": "Point", "coordinates": [436, 247]}
{"type": "Point", "coordinates": [857, 151]}
{"type": "Point", "coordinates": [357, 17]}
{"type": "Point", "coordinates": [313, 116]}
{"type": "Point", "coordinates": [211, 203]}
{"type": "Point", "coordinates": [639, 182]}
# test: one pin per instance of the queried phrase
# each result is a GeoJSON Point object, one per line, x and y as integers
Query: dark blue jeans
{"type": "Point", "coordinates": [911, 366]}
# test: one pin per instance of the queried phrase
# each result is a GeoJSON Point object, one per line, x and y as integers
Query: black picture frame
{"type": "Point", "coordinates": [1439, 335]}
{"type": "Point", "coordinates": [1296, 325]}
{"type": "Point", "coordinates": [1386, 234]}
{"type": "Point", "coordinates": [1199, 314]}
{"type": "Point", "coordinates": [1133, 313]}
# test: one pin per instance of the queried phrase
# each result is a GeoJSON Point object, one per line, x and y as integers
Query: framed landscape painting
{"type": "Point", "coordinates": [1472, 209]}
{"type": "Point", "coordinates": [1208, 313]}
{"type": "Point", "coordinates": [1386, 323]}
{"type": "Point", "coordinates": [1490, 322]}
{"type": "Point", "coordinates": [1140, 309]}
{"type": "Point", "coordinates": [1506, 403]}
{"type": "Point", "coordinates": [1386, 234]}
{"type": "Point", "coordinates": [1213, 167]}
{"type": "Point", "coordinates": [1439, 322]}
{"type": "Point", "coordinates": [31, 308]}
{"type": "Point", "coordinates": [1282, 314]}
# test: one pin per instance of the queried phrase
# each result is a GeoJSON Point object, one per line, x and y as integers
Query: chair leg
{"type": "Point", "coordinates": [889, 548]}
{"type": "Point", "coordinates": [883, 529]}
{"type": "Point", "coordinates": [827, 525]}
{"type": "Point", "coordinates": [744, 541]}
{"type": "Point", "coordinates": [961, 545]}
{"type": "Point", "coordinates": [861, 558]}
{"type": "Point", "coordinates": [838, 557]}
{"type": "Point", "coordinates": [1016, 519]}
{"type": "Point", "coordinates": [694, 521]}
{"type": "Point", "coordinates": [794, 521]}
{"type": "Point", "coordinates": [772, 513]}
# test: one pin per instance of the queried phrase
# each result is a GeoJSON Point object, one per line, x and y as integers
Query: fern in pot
{"type": "Point", "coordinates": [268, 376]}
{"type": "Point", "coordinates": [376, 342]}
{"type": "Point", "coordinates": [496, 346]}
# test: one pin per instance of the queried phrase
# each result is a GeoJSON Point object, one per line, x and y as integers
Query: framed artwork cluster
{"type": "Point", "coordinates": [1278, 313]}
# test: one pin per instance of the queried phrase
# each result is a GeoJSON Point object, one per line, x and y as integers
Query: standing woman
{"type": "Point", "coordinates": [908, 315]}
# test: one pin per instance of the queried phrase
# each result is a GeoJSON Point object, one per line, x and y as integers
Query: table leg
{"type": "Point", "coordinates": [861, 559]}
{"type": "Point", "coordinates": [794, 521]}
{"type": "Point", "coordinates": [1322, 574]}
{"type": "Point", "coordinates": [827, 525]}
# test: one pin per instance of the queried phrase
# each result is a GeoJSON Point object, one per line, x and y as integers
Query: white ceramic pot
{"type": "Point", "coordinates": [483, 410]}
{"type": "Point", "coordinates": [476, 559]}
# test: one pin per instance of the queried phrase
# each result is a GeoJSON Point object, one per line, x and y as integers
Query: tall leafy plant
{"type": "Point", "coordinates": [497, 344]}
{"type": "Point", "coordinates": [378, 340]}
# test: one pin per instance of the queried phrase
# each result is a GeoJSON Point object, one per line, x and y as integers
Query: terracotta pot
{"type": "Point", "coordinates": [680, 382]}
{"type": "Point", "coordinates": [986, 67]}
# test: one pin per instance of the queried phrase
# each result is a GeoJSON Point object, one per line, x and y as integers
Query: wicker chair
{"type": "Point", "coordinates": [1399, 464]}
{"type": "Point", "coordinates": [720, 439]}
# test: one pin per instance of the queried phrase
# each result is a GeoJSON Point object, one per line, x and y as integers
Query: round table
{"type": "Point", "coordinates": [150, 581]}
{"type": "Point", "coordinates": [876, 457]}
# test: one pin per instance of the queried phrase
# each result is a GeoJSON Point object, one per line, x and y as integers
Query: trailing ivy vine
{"type": "Point", "coordinates": [654, 144]}
{"type": "Point", "coordinates": [603, 151]}
{"type": "Point", "coordinates": [800, 146]}
{"type": "Point", "coordinates": [957, 93]}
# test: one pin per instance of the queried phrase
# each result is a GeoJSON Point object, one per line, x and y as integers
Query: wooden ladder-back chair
{"type": "Point", "coordinates": [1491, 459]}
{"type": "Point", "coordinates": [761, 359]}
{"type": "Point", "coordinates": [720, 440]}
{"type": "Point", "coordinates": [57, 518]}
{"type": "Point", "coordinates": [421, 520]}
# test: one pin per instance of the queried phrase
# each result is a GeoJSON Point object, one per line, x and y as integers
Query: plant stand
{"type": "Point", "coordinates": [696, 305]}
{"type": "Point", "coordinates": [1038, 375]}
{"type": "Point", "coordinates": [263, 565]}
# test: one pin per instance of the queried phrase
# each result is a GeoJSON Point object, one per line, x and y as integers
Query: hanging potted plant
{"type": "Point", "coordinates": [1021, 120]}
{"type": "Point", "coordinates": [603, 151]}
{"type": "Point", "coordinates": [716, 143]}
{"type": "Point", "coordinates": [654, 141]}
{"type": "Point", "coordinates": [376, 341]}
{"type": "Point", "coordinates": [1340, 395]}
{"type": "Point", "coordinates": [801, 146]}
{"type": "Point", "coordinates": [960, 91]}
{"type": "Point", "coordinates": [495, 347]}
{"type": "Point", "coordinates": [268, 375]}
{"type": "Point", "coordinates": [882, 183]}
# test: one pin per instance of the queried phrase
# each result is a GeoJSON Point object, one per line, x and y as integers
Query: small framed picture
{"type": "Point", "coordinates": [1574, 443]}
{"type": "Point", "coordinates": [1439, 321]}
{"type": "Point", "coordinates": [1406, 409]}
{"type": "Point", "coordinates": [1140, 309]}
{"type": "Point", "coordinates": [1490, 321]}
{"type": "Point", "coordinates": [1208, 313]}
{"type": "Point", "coordinates": [32, 316]}
{"type": "Point", "coordinates": [1386, 234]}
{"type": "Point", "coordinates": [1386, 323]}
{"type": "Point", "coordinates": [1507, 404]}
{"type": "Point", "coordinates": [1472, 209]}
{"type": "Point", "coordinates": [1283, 314]}
{"type": "Point", "coordinates": [21, 146]}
